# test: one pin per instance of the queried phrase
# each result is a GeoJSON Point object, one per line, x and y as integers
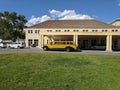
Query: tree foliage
{"type": "Point", "coordinates": [11, 25]}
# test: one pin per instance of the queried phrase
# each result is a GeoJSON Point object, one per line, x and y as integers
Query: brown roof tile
{"type": "Point", "coordinates": [72, 24]}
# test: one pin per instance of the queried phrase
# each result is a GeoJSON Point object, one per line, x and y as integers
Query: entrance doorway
{"type": "Point", "coordinates": [85, 44]}
{"type": "Point", "coordinates": [93, 42]}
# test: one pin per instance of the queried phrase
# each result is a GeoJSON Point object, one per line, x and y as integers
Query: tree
{"type": "Point", "coordinates": [11, 25]}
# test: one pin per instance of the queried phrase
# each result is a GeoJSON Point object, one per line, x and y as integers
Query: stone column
{"type": "Point", "coordinates": [26, 42]}
{"type": "Point", "coordinates": [40, 41]}
{"type": "Point", "coordinates": [75, 39]}
{"type": "Point", "coordinates": [46, 40]}
{"type": "Point", "coordinates": [109, 43]}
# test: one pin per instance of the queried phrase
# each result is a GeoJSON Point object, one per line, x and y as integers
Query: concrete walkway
{"type": "Point", "coordinates": [37, 50]}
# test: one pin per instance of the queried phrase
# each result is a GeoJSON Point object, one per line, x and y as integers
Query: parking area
{"type": "Point", "coordinates": [37, 50]}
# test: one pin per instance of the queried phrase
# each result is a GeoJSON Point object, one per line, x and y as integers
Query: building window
{"type": "Point", "coordinates": [85, 30]}
{"type": "Point", "coordinates": [116, 30]}
{"type": "Point", "coordinates": [104, 30]}
{"type": "Point", "coordinates": [112, 30]}
{"type": "Point", "coordinates": [58, 30]}
{"type": "Point", "coordinates": [30, 42]}
{"type": "Point", "coordinates": [37, 31]}
{"type": "Point", "coordinates": [66, 30]}
{"type": "Point", "coordinates": [36, 42]}
{"type": "Point", "coordinates": [94, 30]}
{"type": "Point", "coordinates": [49, 30]}
{"type": "Point", "coordinates": [75, 30]}
{"type": "Point", "coordinates": [29, 31]}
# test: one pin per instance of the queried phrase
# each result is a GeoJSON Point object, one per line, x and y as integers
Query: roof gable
{"type": "Point", "coordinates": [115, 21]}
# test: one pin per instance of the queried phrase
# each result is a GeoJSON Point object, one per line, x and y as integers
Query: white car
{"type": "Point", "coordinates": [2, 45]}
{"type": "Point", "coordinates": [15, 45]}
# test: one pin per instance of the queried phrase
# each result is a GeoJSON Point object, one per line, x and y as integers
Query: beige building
{"type": "Point", "coordinates": [85, 33]}
{"type": "Point", "coordinates": [116, 22]}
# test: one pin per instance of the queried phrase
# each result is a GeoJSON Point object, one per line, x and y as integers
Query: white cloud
{"type": "Point", "coordinates": [35, 20]}
{"type": "Point", "coordinates": [57, 15]}
{"type": "Point", "coordinates": [75, 17]}
{"type": "Point", "coordinates": [54, 13]}
{"type": "Point", "coordinates": [68, 14]}
{"type": "Point", "coordinates": [118, 1]}
{"type": "Point", "coordinates": [119, 4]}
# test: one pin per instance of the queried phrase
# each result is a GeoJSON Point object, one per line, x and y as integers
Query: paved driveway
{"type": "Point", "coordinates": [37, 50]}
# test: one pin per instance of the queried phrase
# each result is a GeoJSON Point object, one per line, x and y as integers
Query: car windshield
{"type": "Point", "coordinates": [59, 42]}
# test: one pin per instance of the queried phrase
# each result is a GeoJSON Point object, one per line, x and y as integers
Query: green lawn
{"type": "Point", "coordinates": [59, 72]}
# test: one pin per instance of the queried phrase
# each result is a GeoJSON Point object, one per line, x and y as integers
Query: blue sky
{"type": "Point", "coordinates": [37, 11]}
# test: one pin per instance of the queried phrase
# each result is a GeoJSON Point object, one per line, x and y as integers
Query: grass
{"type": "Point", "coordinates": [59, 72]}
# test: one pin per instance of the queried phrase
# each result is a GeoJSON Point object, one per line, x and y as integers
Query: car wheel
{"type": "Point", "coordinates": [18, 47]}
{"type": "Point", "coordinates": [68, 49]}
{"type": "Point", "coordinates": [93, 48]}
{"type": "Point", "coordinates": [9, 47]}
{"type": "Point", "coordinates": [45, 48]}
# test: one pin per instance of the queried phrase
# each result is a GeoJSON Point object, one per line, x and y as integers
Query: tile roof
{"type": "Point", "coordinates": [72, 24]}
